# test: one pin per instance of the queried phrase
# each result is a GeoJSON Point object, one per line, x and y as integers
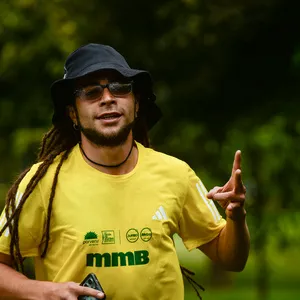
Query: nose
{"type": "Point", "coordinates": [107, 98]}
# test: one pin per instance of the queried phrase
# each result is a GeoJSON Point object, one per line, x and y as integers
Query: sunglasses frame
{"type": "Point", "coordinates": [78, 92]}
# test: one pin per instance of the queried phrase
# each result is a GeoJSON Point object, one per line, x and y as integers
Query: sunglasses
{"type": "Point", "coordinates": [95, 91]}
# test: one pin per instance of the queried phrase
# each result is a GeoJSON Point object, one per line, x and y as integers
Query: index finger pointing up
{"type": "Point", "coordinates": [236, 162]}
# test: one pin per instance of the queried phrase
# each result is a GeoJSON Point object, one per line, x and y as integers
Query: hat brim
{"type": "Point", "coordinates": [62, 92]}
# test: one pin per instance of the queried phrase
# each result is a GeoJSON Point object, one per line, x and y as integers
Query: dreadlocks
{"type": "Point", "coordinates": [59, 139]}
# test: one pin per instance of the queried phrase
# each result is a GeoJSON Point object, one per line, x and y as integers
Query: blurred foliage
{"type": "Point", "coordinates": [226, 77]}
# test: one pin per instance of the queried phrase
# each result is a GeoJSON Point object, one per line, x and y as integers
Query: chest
{"type": "Point", "coordinates": [116, 210]}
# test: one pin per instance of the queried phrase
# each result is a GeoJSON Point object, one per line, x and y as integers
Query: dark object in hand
{"type": "Point", "coordinates": [91, 281]}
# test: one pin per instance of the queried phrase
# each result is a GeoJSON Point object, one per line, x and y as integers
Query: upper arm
{"type": "Point", "coordinates": [5, 259]}
{"type": "Point", "coordinates": [31, 220]}
{"type": "Point", "coordinates": [200, 220]}
{"type": "Point", "coordinates": [211, 249]}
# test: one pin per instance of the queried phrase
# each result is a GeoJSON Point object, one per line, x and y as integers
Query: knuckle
{"type": "Point", "coordinates": [64, 295]}
{"type": "Point", "coordinates": [81, 290]}
{"type": "Point", "coordinates": [72, 286]}
{"type": "Point", "coordinates": [242, 197]}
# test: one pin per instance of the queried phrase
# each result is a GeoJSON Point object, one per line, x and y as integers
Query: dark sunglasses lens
{"type": "Point", "coordinates": [92, 92]}
{"type": "Point", "coordinates": [119, 89]}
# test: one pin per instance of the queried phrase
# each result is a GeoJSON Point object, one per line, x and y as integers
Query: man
{"type": "Point", "coordinates": [100, 200]}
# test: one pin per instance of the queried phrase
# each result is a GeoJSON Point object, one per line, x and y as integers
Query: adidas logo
{"type": "Point", "coordinates": [3, 217]}
{"type": "Point", "coordinates": [160, 214]}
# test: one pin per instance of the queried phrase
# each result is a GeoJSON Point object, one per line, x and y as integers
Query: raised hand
{"type": "Point", "coordinates": [232, 195]}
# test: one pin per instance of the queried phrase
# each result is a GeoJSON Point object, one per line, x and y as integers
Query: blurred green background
{"type": "Point", "coordinates": [226, 77]}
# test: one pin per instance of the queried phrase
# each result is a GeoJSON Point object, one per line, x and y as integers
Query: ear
{"type": "Point", "coordinates": [137, 104]}
{"type": "Point", "coordinates": [72, 114]}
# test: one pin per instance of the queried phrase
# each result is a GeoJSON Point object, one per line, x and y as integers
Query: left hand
{"type": "Point", "coordinates": [232, 195]}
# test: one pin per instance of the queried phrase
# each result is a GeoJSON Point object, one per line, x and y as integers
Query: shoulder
{"type": "Point", "coordinates": [164, 158]}
{"type": "Point", "coordinates": [158, 160]}
{"type": "Point", "coordinates": [29, 175]}
{"type": "Point", "coordinates": [41, 171]}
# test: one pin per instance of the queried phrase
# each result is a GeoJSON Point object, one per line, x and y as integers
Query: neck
{"type": "Point", "coordinates": [111, 160]}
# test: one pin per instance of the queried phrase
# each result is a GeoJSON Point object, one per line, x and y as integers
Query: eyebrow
{"type": "Point", "coordinates": [91, 83]}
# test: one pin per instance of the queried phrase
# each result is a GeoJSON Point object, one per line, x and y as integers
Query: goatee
{"type": "Point", "coordinates": [108, 140]}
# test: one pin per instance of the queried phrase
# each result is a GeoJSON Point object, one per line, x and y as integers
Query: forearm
{"type": "Point", "coordinates": [233, 245]}
{"type": "Point", "coordinates": [14, 285]}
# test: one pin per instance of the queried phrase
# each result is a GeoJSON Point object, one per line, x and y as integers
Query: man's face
{"type": "Point", "coordinates": [106, 120]}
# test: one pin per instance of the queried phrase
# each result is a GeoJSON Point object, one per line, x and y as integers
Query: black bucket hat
{"type": "Point", "coordinates": [94, 58]}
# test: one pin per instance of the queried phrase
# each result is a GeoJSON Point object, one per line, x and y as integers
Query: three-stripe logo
{"type": "Point", "coordinates": [209, 203]}
{"type": "Point", "coordinates": [160, 214]}
{"type": "Point", "coordinates": [3, 218]}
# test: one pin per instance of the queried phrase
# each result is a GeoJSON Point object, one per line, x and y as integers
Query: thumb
{"type": "Point", "coordinates": [212, 192]}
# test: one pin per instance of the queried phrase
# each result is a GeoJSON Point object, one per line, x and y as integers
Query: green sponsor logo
{"type": "Point", "coordinates": [146, 234]}
{"type": "Point", "coordinates": [132, 235]}
{"type": "Point", "coordinates": [116, 259]}
{"type": "Point", "coordinates": [91, 239]}
{"type": "Point", "coordinates": [108, 237]}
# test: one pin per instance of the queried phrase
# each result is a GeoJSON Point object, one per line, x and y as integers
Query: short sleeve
{"type": "Point", "coordinates": [200, 220]}
{"type": "Point", "coordinates": [31, 222]}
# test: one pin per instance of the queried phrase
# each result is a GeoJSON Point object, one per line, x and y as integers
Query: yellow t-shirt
{"type": "Point", "coordinates": [119, 227]}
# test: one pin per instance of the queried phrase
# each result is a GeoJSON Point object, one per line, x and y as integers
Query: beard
{"type": "Point", "coordinates": [107, 140]}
